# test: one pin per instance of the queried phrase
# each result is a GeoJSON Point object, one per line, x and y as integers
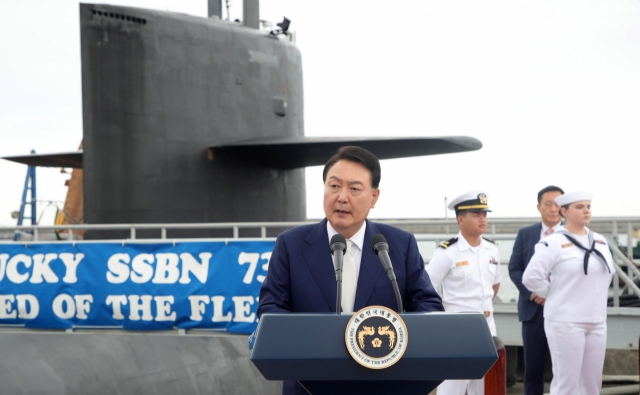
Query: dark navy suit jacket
{"type": "Point", "coordinates": [301, 277]}
{"type": "Point", "coordinates": [523, 250]}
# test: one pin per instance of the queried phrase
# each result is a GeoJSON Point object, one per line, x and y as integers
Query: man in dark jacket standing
{"type": "Point", "coordinates": [530, 305]}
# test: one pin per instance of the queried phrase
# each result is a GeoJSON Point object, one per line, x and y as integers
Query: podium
{"type": "Point", "coordinates": [310, 348]}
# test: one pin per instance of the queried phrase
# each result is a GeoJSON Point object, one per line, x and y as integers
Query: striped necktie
{"type": "Point", "coordinates": [548, 232]}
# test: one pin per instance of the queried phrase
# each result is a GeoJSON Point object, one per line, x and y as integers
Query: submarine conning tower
{"type": "Point", "coordinates": [159, 89]}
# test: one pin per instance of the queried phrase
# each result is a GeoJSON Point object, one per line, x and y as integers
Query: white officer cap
{"type": "Point", "coordinates": [470, 201]}
{"type": "Point", "coordinates": [573, 197]}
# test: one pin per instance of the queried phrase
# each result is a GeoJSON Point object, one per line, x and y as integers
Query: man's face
{"type": "Point", "coordinates": [348, 196]}
{"type": "Point", "coordinates": [549, 210]}
{"type": "Point", "coordinates": [473, 223]}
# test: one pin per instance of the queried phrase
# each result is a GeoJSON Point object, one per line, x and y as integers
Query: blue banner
{"type": "Point", "coordinates": [133, 286]}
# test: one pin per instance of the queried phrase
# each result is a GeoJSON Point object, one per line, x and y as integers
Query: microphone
{"type": "Point", "coordinates": [338, 248]}
{"type": "Point", "coordinates": [381, 249]}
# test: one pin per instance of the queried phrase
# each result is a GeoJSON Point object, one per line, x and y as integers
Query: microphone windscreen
{"type": "Point", "coordinates": [378, 243]}
{"type": "Point", "coordinates": [338, 242]}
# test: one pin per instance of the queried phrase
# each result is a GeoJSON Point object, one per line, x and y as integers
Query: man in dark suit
{"type": "Point", "coordinates": [530, 305]}
{"type": "Point", "coordinates": [301, 276]}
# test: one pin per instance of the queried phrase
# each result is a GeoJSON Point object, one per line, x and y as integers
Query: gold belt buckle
{"type": "Point", "coordinates": [487, 313]}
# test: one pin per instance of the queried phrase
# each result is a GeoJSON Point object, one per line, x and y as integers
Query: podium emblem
{"type": "Point", "coordinates": [376, 337]}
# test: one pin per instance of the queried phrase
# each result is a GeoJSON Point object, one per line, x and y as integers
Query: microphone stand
{"type": "Point", "coordinates": [381, 249]}
{"type": "Point", "coordinates": [394, 283]}
{"type": "Point", "coordinates": [337, 261]}
{"type": "Point", "coordinates": [338, 248]}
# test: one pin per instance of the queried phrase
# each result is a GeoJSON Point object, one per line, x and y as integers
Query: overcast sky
{"type": "Point", "coordinates": [551, 88]}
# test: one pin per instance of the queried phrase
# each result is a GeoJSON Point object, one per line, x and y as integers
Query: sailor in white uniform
{"type": "Point", "coordinates": [572, 269]}
{"type": "Point", "coordinates": [468, 267]}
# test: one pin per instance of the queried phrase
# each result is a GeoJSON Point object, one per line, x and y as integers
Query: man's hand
{"type": "Point", "coordinates": [539, 300]}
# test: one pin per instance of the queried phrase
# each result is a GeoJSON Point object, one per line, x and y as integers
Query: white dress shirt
{"type": "Point", "coordinates": [358, 243]}
{"type": "Point", "coordinates": [543, 232]}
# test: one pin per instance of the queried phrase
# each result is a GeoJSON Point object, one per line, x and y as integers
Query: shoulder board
{"type": "Point", "coordinates": [448, 243]}
{"type": "Point", "coordinates": [490, 241]}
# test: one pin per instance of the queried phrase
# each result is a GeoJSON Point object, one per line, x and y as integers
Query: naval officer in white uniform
{"type": "Point", "coordinates": [572, 269]}
{"type": "Point", "coordinates": [468, 267]}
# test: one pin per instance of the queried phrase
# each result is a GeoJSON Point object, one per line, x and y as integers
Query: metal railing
{"type": "Point", "coordinates": [628, 278]}
{"type": "Point", "coordinates": [423, 229]}
{"type": "Point", "coordinates": [448, 226]}
{"type": "Point", "coordinates": [132, 228]}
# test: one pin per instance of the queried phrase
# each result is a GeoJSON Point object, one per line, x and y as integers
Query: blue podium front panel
{"type": "Point", "coordinates": [312, 347]}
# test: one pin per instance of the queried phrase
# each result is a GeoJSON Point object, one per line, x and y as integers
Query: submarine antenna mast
{"type": "Point", "coordinates": [215, 8]}
{"type": "Point", "coordinates": [251, 13]}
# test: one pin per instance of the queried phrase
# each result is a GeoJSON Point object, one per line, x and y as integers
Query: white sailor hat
{"type": "Point", "coordinates": [573, 197]}
{"type": "Point", "coordinates": [470, 201]}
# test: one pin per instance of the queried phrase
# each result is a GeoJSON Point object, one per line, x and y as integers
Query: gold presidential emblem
{"type": "Point", "coordinates": [376, 337]}
{"type": "Point", "coordinates": [483, 198]}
